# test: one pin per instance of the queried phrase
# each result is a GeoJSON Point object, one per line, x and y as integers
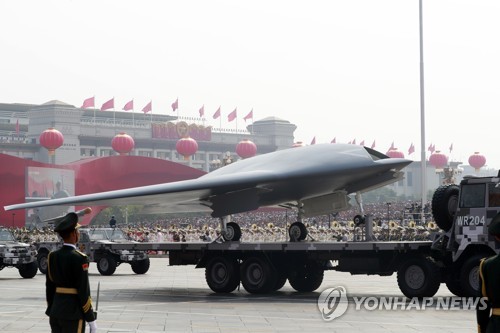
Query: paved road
{"type": "Point", "coordinates": [176, 299]}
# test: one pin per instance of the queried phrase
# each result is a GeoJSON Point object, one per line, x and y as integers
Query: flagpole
{"type": "Point", "coordinates": [422, 114]}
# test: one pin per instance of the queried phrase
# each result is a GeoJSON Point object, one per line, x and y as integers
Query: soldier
{"type": "Point", "coordinates": [67, 285]}
{"type": "Point", "coordinates": [489, 274]}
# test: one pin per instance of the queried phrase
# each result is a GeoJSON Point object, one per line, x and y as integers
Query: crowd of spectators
{"type": "Point", "coordinates": [396, 221]}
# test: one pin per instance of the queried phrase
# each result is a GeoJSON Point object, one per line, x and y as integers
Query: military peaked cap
{"type": "Point", "coordinates": [494, 227]}
{"type": "Point", "coordinates": [66, 223]}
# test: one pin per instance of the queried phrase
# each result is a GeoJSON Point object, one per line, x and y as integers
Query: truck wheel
{"type": "Point", "coordinates": [106, 265]}
{"type": "Point", "coordinates": [222, 274]}
{"type": "Point", "coordinates": [42, 258]}
{"type": "Point", "coordinates": [140, 266]}
{"type": "Point", "coordinates": [28, 271]}
{"type": "Point", "coordinates": [233, 232]}
{"type": "Point", "coordinates": [280, 281]}
{"type": "Point", "coordinates": [469, 275]}
{"type": "Point", "coordinates": [297, 232]}
{"type": "Point", "coordinates": [454, 285]}
{"type": "Point", "coordinates": [418, 277]}
{"type": "Point", "coordinates": [444, 205]}
{"type": "Point", "coordinates": [307, 277]}
{"type": "Point", "coordinates": [258, 276]}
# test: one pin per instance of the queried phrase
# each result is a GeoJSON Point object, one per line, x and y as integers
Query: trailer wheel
{"type": "Point", "coordinates": [42, 258]}
{"type": "Point", "coordinates": [233, 232]}
{"type": "Point", "coordinates": [106, 265]}
{"type": "Point", "coordinates": [418, 277]}
{"type": "Point", "coordinates": [280, 281]}
{"type": "Point", "coordinates": [140, 266]}
{"type": "Point", "coordinates": [222, 274]}
{"type": "Point", "coordinates": [28, 271]}
{"type": "Point", "coordinates": [258, 276]}
{"type": "Point", "coordinates": [444, 205]}
{"type": "Point", "coordinates": [306, 277]}
{"type": "Point", "coordinates": [469, 275]}
{"type": "Point", "coordinates": [297, 232]}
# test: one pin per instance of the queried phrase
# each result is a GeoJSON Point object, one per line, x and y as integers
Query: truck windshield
{"type": "Point", "coordinates": [98, 235]}
{"type": "Point", "coordinates": [6, 235]}
{"type": "Point", "coordinates": [472, 196]}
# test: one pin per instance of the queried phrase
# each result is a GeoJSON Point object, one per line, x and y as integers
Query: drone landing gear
{"type": "Point", "coordinates": [230, 231]}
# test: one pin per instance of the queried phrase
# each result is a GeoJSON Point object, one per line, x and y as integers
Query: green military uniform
{"type": "Point", "coordinates": [69, 304]}
{"type": "Point", "coordinates": [488, 319]}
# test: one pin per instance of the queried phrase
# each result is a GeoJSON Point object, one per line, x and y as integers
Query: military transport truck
{"type": "Point", "coordinates": [464, 213]}
{"type": "Point", "coordinates": [16, 254]}
{"type": "Point", "coordinates": [107, 259]}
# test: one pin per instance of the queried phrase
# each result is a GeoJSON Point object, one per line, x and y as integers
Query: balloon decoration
{"type": "Point", "coordinates": [123, 143]}
{"type": "Point", "coordinates": [246, 149]}
{"type": "Point", "coordinates": [187, 147]}
{"type": "Point", "coordinates": [395, 153]}
{"type": "Point", "coordinates": [51, 139]}
{"type": "Point", "coordinates": [438, 160]}
{"type": "Point", "coordinates": [477, 161]}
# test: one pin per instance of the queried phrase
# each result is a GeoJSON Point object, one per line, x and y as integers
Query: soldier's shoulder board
{"type": "Point", "coordinates": [81, 253]}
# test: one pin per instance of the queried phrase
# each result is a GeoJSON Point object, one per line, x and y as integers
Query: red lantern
{"type": "Point", "coordinates": [438, 160]}
{"type": "Point", "coordinates": [186, 147]}
{"type": "Point", "coordinates": [246, 149]}
{"type": "Point", "coordinates": [51, 139]}
{"type": "Point", "coordinates": [298, 144]}
{"type": "Point", "coordinates": [123, 143]}
{"type": "Point", "coordinates": [477, 161]}
{"type": "Point", "coordinates": [395, 153]}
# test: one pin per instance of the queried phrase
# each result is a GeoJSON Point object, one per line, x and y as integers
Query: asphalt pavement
{"type": "Point", "coordinates": [177, 299]}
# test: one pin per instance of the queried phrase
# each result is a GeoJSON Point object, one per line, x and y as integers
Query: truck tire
{"type": "Point", "coordinates": [418, 277]}
{"type": "Point", "coordinates": [222, 274]}
{"type": "Point", "coordinates": [306, 277]}
{"type": "Point", "coordinates": [280, 281]}
{"type": "Point", "coordinates": [41, 259]}
{"type": "Point", "coordinates": [469, 275]}
{"type": "Point", "coordinates": [444, 205]}
{"type": "Point", "coordinates": [233, 232]}
{"type": "Point", "coordinates": [106, 265]}
{"type": "Point", "coordinates": [454, 285]}
{"type": "Point", "coordinates": [140, 266]}
{"type": "Point", "coordinates": [258, 276]}
{"type": "Point", "coordinates": [28, 271]}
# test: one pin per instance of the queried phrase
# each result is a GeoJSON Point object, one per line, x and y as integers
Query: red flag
{"type": "Point", "coordinates": [354, 141]}
{"type": "Point", "coordinates": [362, 143]}
{"type": "Point", "coordinates": [411, 150]}
{"type": "Point", "coordinates": [313, 142]}
{"type": "Point", "coordinates": [108, 105]}
{"type": "Point", "coordinates": [451, 147]}
{"type": "Point", "coordinates": [349, 143]}
{"type": "Point", "coordinates": [334, 140]}
{"type": "Point", "coordinates": [202, 111]}
{"type": "Point", "coordinates": [430, 148]}
{"type": "Point", "coordinates": [89, 102]}
{"type": "Point", "coordinates": [231, 116]}
{"type": "Point", "coordinates": [217, 113]}
{"type": "Point", "coordinates": [17, 126]}
{"type": "Point", "coordinates": [248, 116]}
{"type": "Point", "coordinates": [129, 106]}
{"type": "Point", "coordinates": [148, 107]}
{"type": "Point", "coordinates": [175, 105]}
{"type": "Point", "coordinates": [392, 146]}
{"type": "Point", "coordinates": [373, 145]}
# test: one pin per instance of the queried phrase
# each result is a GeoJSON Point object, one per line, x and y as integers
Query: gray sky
{"type": "Point", "coordinates": [337, 69]}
